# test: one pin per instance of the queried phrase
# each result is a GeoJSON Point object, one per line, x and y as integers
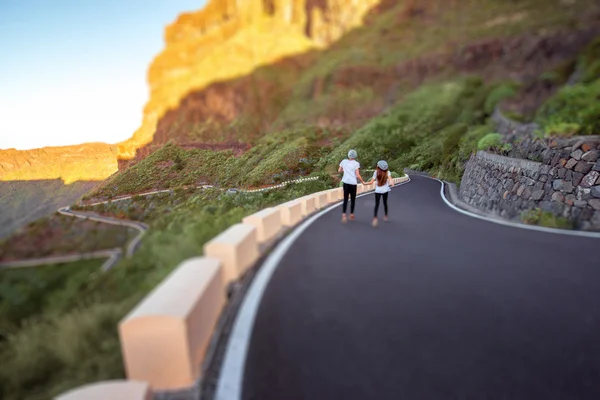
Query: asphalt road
{"type": "Point", "coordinates": [432, 305]}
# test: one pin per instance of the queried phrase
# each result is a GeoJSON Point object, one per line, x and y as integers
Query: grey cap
{"type": "Point", "coordinates": [352, 154]}
{"type": "Point", "coordinates": [382, 165]}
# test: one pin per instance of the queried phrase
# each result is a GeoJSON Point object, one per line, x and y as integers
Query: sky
{"type": "Point", "coordinates": [74, 71]}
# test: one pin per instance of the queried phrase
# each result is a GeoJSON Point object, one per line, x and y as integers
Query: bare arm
{"type": "Point", "coordinates": [359, 177]}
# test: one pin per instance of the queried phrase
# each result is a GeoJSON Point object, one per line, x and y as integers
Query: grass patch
{"type": "Point", "coordinates": [55, 353]}
{"type": "Point", "coordinates": [573, 110]}
{"type": "Point", "coordinates": [277, 157]}
{"type": "Point", "coordinates": [493, 142]}
{"type": "Point", "coordinates": [28, 292]}
{"type": "Point", "coordinates": [546, 219]}
{"type": "Point", "coordinates": [426, 131]}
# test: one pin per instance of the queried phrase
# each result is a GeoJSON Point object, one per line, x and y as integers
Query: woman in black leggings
{"type": "Point", "coordinates": [384, 181]}
{"type": "Point", "coordinates": [350, 167]}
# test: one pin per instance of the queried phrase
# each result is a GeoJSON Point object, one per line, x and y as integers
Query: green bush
{"type": "Point", "coordinates": [572, 110]}
{"type": "Point", "coordinates": [59, 352]}
{"type": "Point", "coordinates": [493, 142]}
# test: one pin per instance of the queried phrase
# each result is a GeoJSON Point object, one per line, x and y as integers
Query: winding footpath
{"type": "Point", "coordinates": [434, 304]}
{"type": "Point", "coordinates": [114, 255]}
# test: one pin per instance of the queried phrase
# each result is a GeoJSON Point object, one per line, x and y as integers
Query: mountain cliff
{"type": "Point", "coordinates": [229, 39]}
{"type": "Point", "coordinates": [86, 162]}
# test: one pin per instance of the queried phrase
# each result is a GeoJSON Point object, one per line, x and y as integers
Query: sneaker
{"type": "Point", "coordinates": [374, 223]}
{"type": "Point", "coordinates": [351, 217]}
{"type": "Point", "coordinates": [344, 218]}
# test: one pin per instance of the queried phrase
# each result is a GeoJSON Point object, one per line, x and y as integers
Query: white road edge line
{"type": "Point", "coordinates": [229, 386]}
{"type": "Point", "coordinates": [594, 235]}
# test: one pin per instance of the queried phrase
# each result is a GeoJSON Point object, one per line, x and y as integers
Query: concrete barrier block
{"type": "Point", "coordinates": [320, 200]}
{"type": "Point", "coordinates": [308, 205]}
{"type": "Point", "coordinates": [267, 223]}
{"type": "Point", "coordinates": [113, 390]}
{"type": "Point", "coordinates": [291, 213]}
{"type": "Point", "coordinates": [236, 248]}
{"type": "Point", "coordinates": [164, 338]}
{"type": "Point", "coordinates": [360, 188]}
{"type": "Point", "coordinates": [334, 195]}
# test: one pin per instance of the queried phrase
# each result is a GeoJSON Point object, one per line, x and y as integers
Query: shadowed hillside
{"type": "Point", "coordinates": [24, 201]}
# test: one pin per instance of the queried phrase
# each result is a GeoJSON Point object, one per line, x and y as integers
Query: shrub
{"type": "Point", "coordinates": [545, 218]}
{"type": "Point", "coordinates": [572, 110]}
{"type": "Point", "coordinates": [499, 93]}
{"type": "Point", "coordinates": [493, 142]}
{"type": "Point", "coordinates": [57, 353]}
{"type": "Point", "coordinates": [531, 217]}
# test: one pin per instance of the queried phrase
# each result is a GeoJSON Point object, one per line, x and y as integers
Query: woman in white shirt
{"type": "Point", "coordinates": [383, 177]}
{"type": "Point", "coordinates": [350, 167]}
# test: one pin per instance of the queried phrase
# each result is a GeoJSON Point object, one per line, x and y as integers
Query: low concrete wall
{"type": "Point", "coordinates": [267, 223]}
{"type": "Point", "coordinates": [308, 205]}
{"type": "Point", "coordinates": [320, 200]}
{"type": "Point", "coordinates": [236, 248]}
{"type": "Point", "coordinates": [291, 213]}
{"type": "Point", "coordinates": [334, 195]}
{"type": "Point", "coordinates": [164, 338]}
{"type": "Point", "coordinates": [110, 390]}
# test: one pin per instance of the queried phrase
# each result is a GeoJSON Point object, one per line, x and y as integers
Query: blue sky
{"type": "Point", "coordinates": [74, 71]}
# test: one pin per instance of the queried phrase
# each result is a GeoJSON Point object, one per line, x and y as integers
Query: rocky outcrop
{"type": "Point", "coordinates": [229, 39]}
{"type": "Point", "coordinates": [86, 162]}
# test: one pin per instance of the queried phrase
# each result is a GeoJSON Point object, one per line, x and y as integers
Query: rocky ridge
{"type": "Point", "coordinates": [229, 39]}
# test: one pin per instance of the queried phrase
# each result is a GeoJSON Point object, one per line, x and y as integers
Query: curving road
{"type": "Point", "coordinates": [114, 255]}
{"type": "Point", "coordinates": [432, 305]}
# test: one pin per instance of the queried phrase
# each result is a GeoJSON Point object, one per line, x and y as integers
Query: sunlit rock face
{"type": "Point", "coordinates": [86, 162]}
{"type": "Point", "coordinates": [230, 38]}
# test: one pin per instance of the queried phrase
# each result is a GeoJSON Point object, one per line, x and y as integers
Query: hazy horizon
{"type": "Point", "coordinates": [75, 71]}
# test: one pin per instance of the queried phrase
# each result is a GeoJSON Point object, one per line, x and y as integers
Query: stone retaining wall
{"type": "Point", "coordinates": [566, 182]}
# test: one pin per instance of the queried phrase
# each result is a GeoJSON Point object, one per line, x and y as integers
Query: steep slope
{"type": "Point", "coordinates": [392, 49]}
{"type": "Point", "coordinates": [229, 39]}
{"type": "Point", "coordinates": [24, 201]}
{"type": "Point", "coordinates": [34, 183]}
{"type": "Point", "coordinates": [230, 75]}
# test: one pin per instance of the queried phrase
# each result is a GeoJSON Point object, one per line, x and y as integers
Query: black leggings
{"type": "Point", "coordinates": [349, 191]}
{"type": "Point", "coordinates": [377, 198]}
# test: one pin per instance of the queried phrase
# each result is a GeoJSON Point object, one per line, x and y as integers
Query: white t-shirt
{"type": "Point", "coordinates": [382, 189]}
{"type": "Point", "coordinates": [350, 167]}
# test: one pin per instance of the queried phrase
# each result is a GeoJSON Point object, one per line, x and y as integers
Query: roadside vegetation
{"type": "Point", "coordinates": [546, 219]}
{"type": "Point", "coordinates": [58, 323]}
